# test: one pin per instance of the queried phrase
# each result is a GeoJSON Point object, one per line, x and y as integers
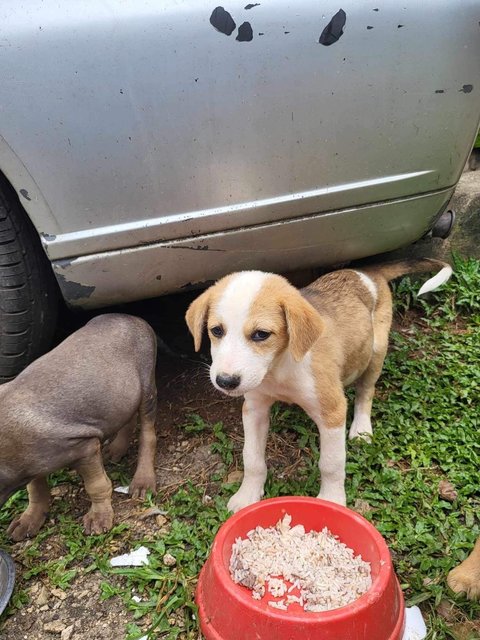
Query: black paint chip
{"type": "Point", "coordinates": [439, 90]}
{"type": "Point", "coordinates": [369, 27]}
{"type": "Point", "coordinates": [467, 88]}
{"type": "Point", "coordinates": [24, 193]}
{"type": "Point", "coordinates": [251, 6]}
{"type": "Point", "coordinates": [399, 26]}
{"type": "Point", "coordinates": [334, 29]}
{"type": "Point", "coordinates": [245, 33]}
{"type": "Point", "coordinates": [222, 21]}
{"type": "Point", "coordinates": [376, 9]}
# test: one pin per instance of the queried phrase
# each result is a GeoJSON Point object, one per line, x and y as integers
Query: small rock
{"type": "Point", "coordinates": [67, 633]}
{"type": "Point", "coordinates": [42, 597]}
{"type": "Point", "coordinates": [58, 593]}
{"type": "Point", "coordinates": [56, 626]}
{"type": "Point", "coordinates": [207, 499]}
{"type": "Point", "coordinates": [169, 560]}
{"type": "Point", "coordinates": [44, 607]}
{"type": "Point", "coordinates": [161, 520]}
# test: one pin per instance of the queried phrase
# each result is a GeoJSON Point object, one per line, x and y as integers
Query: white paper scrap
{"type": "Point", "coordinates": [415, 628]}
{"type": "Point", "coordinates": [121, 489]}
{"type": "Point", "coordinates": [135, 558]}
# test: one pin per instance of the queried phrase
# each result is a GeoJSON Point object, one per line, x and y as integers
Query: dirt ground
{"type": "Point", "coordinates": [183, 389]}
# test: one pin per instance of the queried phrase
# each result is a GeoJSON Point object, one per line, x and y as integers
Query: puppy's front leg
{"type": "Point", "coordinates": [466, 577]}
{"type": "Point", "coordinates": [332, 464]}
{"type": "Point", "coordinates": [256, 421]}
{"type": "Point", "coordinates": [29, 523]}
{"type": "Point", "coordinates": [331, 426]}
{"type": "Point", "coordinates": [144, 479]}
{"type": "Point", "coordinates": [99, 518]}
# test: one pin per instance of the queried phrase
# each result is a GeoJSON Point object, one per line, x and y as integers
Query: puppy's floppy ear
{"type": "Point", "coordinates": [196, 317]}
{"type": "Point", "coordinates": [304, 324]}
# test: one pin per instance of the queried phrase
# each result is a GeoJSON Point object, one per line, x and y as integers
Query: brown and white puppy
{"type": "Point", "coordinates": [59, 409]}
{"type": "Point", "coordinates": [466, 577]}
{"type": "Point", "coordinates": [270, 341]}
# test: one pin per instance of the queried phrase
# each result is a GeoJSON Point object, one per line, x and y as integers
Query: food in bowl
{"type": "Point", "coordinates": [294, 567]}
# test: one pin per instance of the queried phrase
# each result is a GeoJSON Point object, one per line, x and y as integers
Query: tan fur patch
{"type": "Point", "coordinates": [198, 312]}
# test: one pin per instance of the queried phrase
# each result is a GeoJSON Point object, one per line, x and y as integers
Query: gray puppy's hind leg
{"type": "Point", "coordinates": [118, 447]}
{"type": "Point", "coordinates": [144, 478]}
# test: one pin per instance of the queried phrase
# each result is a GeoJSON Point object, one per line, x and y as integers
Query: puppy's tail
{"type": "Point", "coordinates": [392, 270]}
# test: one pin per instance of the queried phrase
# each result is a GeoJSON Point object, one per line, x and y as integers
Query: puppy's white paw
{"type": "Point", "coordinates": [465, 579]}
{"type": "Point", "coordinates": [243, 498]}
{"type": "Point", "coordinates": [361, 428]}
{"type": "Point", "coordinates": [334, 494]}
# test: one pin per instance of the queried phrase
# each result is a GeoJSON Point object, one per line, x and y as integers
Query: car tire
{"type": "Point", "coordinates": [28, 290]}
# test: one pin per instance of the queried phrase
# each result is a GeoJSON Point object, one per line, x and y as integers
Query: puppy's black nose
{"type": "Point", "coordinates": [227, 382]}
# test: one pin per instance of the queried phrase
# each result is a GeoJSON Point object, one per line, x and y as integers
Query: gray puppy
{"type": "Point", "coordinates": [57, 412]}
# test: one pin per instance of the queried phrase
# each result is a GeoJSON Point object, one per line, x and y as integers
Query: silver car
{"type": "Point", "coordinates": [148, 146]}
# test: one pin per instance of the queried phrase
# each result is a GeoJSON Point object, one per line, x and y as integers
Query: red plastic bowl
{"type": "Point", "coordinates": [228, 612]}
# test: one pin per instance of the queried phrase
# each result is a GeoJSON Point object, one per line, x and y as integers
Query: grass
{"type": "Point", "coordinates": [426, 430]}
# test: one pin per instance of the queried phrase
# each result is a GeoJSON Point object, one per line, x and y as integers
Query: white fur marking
{"type": "Point", "coordinates": [369, 284]}
{"type": "Point", "coordinates": [233, 354]}
{"type": "Point", "coordinates": [433, 283]}
{"type": "Point", "coordinates": [361, 426]}
{"type": "Point", "coordinates": [238, 296]}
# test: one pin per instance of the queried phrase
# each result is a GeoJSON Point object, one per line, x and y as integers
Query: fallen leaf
{"type": "Point", "coordinates": [234, 476]}
{"type": "Point", "coordinates": [447, 491]}
{"type": "Point", "coordinates": [465, 631]}
{"type": "Point", "coordinates": [362, 507]}
{"type": "Point", "coordinates": [152, 511]}
{"type": "Point", "coordinates": [447, 610]}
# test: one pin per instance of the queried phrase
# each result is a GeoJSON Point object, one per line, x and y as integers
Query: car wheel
{"type": "Point", "coordinates": [28, 290]}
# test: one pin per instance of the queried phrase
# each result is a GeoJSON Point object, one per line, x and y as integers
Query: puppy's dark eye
{"type": "Point", "coordinates": [217, 331]}
{"type": "Point", "coordinates": [260, 336]}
